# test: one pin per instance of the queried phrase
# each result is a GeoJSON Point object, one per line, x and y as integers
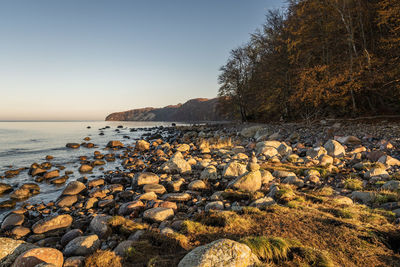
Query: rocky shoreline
{"type": "Point", "coordinates": [326, 194]}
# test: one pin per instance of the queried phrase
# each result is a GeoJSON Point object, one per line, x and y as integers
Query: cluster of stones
{"type": "Point", "coordinates": [173, 174]}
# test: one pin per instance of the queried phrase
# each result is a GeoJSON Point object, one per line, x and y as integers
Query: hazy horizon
{"type": "Point", "coordinates": [82, 60]}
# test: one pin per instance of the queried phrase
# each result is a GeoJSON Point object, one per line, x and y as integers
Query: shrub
{"type": "Point", "coordinates": [285, 194]}
{"type": "Point", "coordinates": [386, 196]}
{"type": "Point", "coordinates": [353, 184]}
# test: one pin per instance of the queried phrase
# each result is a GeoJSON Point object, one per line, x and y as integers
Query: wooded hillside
{"type": "Point", "coordinates": [317, 58]}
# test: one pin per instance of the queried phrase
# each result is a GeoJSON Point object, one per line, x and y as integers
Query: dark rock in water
{"type": "Point", "coordinates": [115, 144]}
{"type": "Point", "coordinates": [85, 168]}
{"type": "Point", "coordinates": [5, 188]}
{"type": "Point", "coordinates": [51, 175]}
{"type": "Point", "coordinates": [39, 179]}
{"type": "Point", "coordinates": [88, 145]}
{"type": "Point", "coordinates": [7, 204]}
{"type": "Point", "coordinates": [25, 191]}
{"type": "Point", "coordinates": [45, 165]}
{"type": "Point", "coordinates": [36, 171]}
{"type": "Point", "coordinates": [73, 145]}
{"type": "Point", "coordinates": [11, 173]}
{"type": "Point", "coordinates": [60, 180]}
{"type": "Point", "coordinates": [73, 188]}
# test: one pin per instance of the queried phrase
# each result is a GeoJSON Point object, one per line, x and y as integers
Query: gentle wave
{"type": "Point", "coordinates": [23, 151]}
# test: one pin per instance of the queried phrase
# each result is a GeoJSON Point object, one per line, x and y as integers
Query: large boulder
{"type": "Point", "coordinates": [250, 131]}
{"type": "Point", "coordinates": [249, 182]}
{"type": "Point", "coordinates": [158, 214]}
{"type": "Point", "coordinates": [182, 147]}
{"type": "Point", "coordinates": [177, 197]}
{"type": "Point", "coordinates": [82, 246]}
{"type": "Point", "coordinates": [122, 247]}
{"type": "Point", "coordinates": [284, 149]}
{"type": "Point", "coordinates": [73, 188]}
{"type": "Point", "coordinates": [67, 201]}
{"type": "Point", "coordinates": [156, 188]}
{"type": "Point", "coordinates": [144, 178]}
{"type": "Point", "coordinates": [349, 140]}
{"type": "Point", "coordinates": [268, 151]}
{"type": "Point", "coordinates": [363, 197]}
{"type": "Point", "coordinates": [220, 253]}
{"type": "Point", "coordinates": [36, 256]}
{"type": "Point", "coordinates": [335, 149]}
{"type": "Point", "coordinates": [12, 220]}
{"type": "Point", "coordinates": [177, 164]}
{"type": "Point", "coordinates": [76, 261]}
{"type": "Point", "coordinates": [129, 207]}
{"type": "Point", "coordinates": [234, 169]}
{"type": "Point", "coordinates": [142, 145]}
{"type": "Point", "coordinates": [266, 176]}
{"type": "Point", "coordinates": [197, 185]}
{"type": "Point", "coordinates": [316, 152]}
{"type": "Point", "coordinates": [263, 202]}
{"type": "Point", "coordinates": [52, 223]}
{"type": "Point", "coordinates": [209, 173]}
{"type": "Point", "coordinates": [392, 185]}
{"type": "Point", "coordinates": [70, 235]}
{"type": "Point", "coordinates": [10, 249]}
{"type": "Point", "coordinates": [115, 144]}
{"type": "Point", "coordinates": [377, 172]}
{"type": "Point", "coordinates": [268, 148]}
{"type": "Point", "coordinates": [389, 161]}
{"type": "Point", "coordinates": [99, 226]}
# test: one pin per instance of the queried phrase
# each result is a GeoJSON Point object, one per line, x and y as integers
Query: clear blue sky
{"type": "Point", "coordinates": [83, 59]}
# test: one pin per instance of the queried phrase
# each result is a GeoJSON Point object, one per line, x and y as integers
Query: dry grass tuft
{"type": "Point", "coordinates": [103, 258]}
{"type": "Point", "coordinates": [269, 248]}
{"type": "Point", "coordinates": [314, 257]}
{"type": "Point", "coordinates": [126, 226]}
{"type": "Point", "coordinates": [116, 221]}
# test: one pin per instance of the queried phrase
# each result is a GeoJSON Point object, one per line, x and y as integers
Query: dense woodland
{"type": "Point", "coordinates": [315, 59]}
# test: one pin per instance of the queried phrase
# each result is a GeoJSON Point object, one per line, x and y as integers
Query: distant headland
{"type": "Point", "coordinates": [198, 109]}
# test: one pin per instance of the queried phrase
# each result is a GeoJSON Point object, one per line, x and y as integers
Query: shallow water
{"type": "Point", "coordinates": [23, 143]}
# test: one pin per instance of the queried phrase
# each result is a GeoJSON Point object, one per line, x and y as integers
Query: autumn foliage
{"type": "Point", "coordinates": [317, 58]}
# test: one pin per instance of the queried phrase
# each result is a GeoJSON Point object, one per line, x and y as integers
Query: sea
{"type": "Point", "coordinates": [24, 143]}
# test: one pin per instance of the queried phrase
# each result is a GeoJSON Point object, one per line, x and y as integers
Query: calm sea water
{"type": "Point", "coordinates": [23, 143]}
